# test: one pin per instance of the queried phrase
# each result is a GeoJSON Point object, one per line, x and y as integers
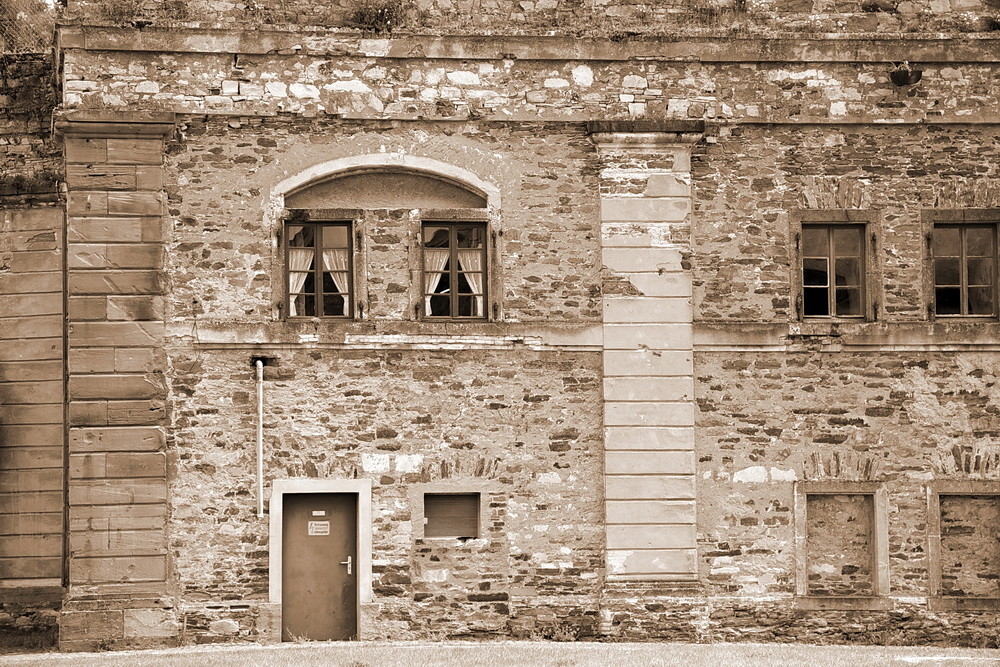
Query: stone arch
{"type": "Point", "coordinates": [361, 173]}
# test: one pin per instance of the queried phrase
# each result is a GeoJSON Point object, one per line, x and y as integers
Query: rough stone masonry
{"type": "Point", "coordinates": [660, 440]}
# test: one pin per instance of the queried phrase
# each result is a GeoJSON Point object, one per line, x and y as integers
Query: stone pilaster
{"type": "Point", "coordinates": [119, 591]}
{"type": "Point", "coordinates": [648, 366]}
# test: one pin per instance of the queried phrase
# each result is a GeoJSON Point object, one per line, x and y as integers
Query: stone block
{"type": "Point", "coordinates": [31, 414]}
{"type": "Point", "coordinates": [14, 457]}
{"type": "Point", "coordinates": [115, 334]}
{"type": "Point", "coordinates": [650, 512]}
{"type": "Point", "coordinates": [135, 308]}
{"type": "Point", "coordinates": [138, 360]}
{"type": "Point", "coordinates": [31, 304]}
{"type": "Point", "coordinates": [117, 569]}
{"type": "Point", "coordinates": [651, 388]}
{"type": "Point", "coordinates": [97, 229]}
{"type": "Point", "coordinates": [148, 178]}
{"type": "Point", "coordinates": [135, 203]}
{"type": "Point", "coordinates": [137, 256]}
{"type": "Point", "coordinates": [117, 517]}
{"type": "Point", "coordinates": [35, 326]}
{"type": "Point", "coordinates": [113, 543]}
{"type": "Point", "coordinates": [651, 537]}
{"type": "Point", "coordinates": [651, 561]}
{"type": "Point", "coordinates": [91, 360]}
{"type": "Point", "coordinates": [135, 151]}
{"type": "Point", "coordinates": [649, 437]}
{"type": "Point", "coordinates": [653, 336]}
{"type": "Point", "coordinates": [135, 413]}
{"type": "Point", "coordinates": [117, 492]}
{"type": "Point", "coordinates": [86, 151]}
{"type": "Point", "coordinates": [116, 439]}
{"type": "Point", "coordinates": [647, 362]}
{"type": "Point", "coordinates": [87, 256]}
{"type": "Point", "coordinates": [641, 310]}
{"type": "Point", "coordinates": [146, 464]}
{"type": "Point", "coordinates": [83, 308]}
{"type": "Point", "coordinates": [87, 466]}
{"type": "Point", "coordinates": [644, 209]}
{"type": "Point", "coordinates": [667, 185]}
{"type": "Point", "coordinates": [31, 391]}
{"type": "Point", "coordinates": [648, 414]}
{"type": "Point", "coordinates": [643, 260]}
{"type": "Point", "coordinates": [662, 284]}
{"type": "Point", "coordinates": [115, 387]}
{"type": "Point", "coordinates": [32, 349]}
{"type": "Point", "coordinates": [30, 283]}
{"type": "Point", "coordinates": [649, 463]}
{"type": "Point", "coordinates": [82, 625]}
{"type": "Point", "coordinates": [34, 435]}
{"type": "Point", "coordinates": [84, 203]}
{"type": "Point", "coordinates": [100, 177]}
{"type": "Point", "coordinates": [144, 623]}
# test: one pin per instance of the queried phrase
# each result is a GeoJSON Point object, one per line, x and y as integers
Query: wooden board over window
{"type": "Point", "coordinates": [451, 515]}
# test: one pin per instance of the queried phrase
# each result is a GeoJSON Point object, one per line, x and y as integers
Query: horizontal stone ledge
{"type": "Point", "coordinates": [649, 487]}
{"type": "Point", "coordinates": [298, 41]}
{"type": "Point", "coordinates": [645, 126]}
{"type": "Point", "coordinates": [665, 438]}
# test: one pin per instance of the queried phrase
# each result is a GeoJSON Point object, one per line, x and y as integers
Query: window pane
{"type": "Point", "coordinates": [814, 272]}
{"type": "Point", "coordinates": [947, 242]}
{"type": "Point", "coordinates": [334, 305]}
{"type": "Point", "coordinates": [848, 271]}
{"type": "Point", "coordinates": [440, 305]}
{"type": "Point", "coordinates": [948, 301]}
{"type": "Point", "coordinates": [464, 284]}
{"type": "Point", "coordinates": [301, 236]}
{"type": "Point", "coordinates": [436, 237]}
{"type": "Point", "coordinates": [299, 282]}
{"type": "Point", "coordinates": [815, 302]}
{"type": "Point", "coordinates": [980, 301]}
{"type": "Point", "coordinates": [470, 237]}
{"type": "Point", "coordinates": [335, 282]}
{"type": "Point", "coordinates": [946, 272]}
{"type": "Point", "coordinates": [815, 242]}
{"type": "Point", "coordinates": [303, 305]}
{"type": "Point", "coordinates": [847, 242]}
{"type": "Point", "coordinates": [979, 241]}
{"type": "Point", "coordinates": [980, 271]}
{"type": "Point", "coordinates": [435, 283]}
{"type": "Point", "coordinates": [334, 236]}
{"type": "Point", "coordinates": [849, 302]}
{"type": "Point", "coordinates": [467, 306]}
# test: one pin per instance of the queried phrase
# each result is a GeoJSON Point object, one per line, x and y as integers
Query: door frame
{"type": "Point", "coordinates": [362, 488]}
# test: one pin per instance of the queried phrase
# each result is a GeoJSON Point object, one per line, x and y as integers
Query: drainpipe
{"type": "Point", "coordinates": [259, 363]}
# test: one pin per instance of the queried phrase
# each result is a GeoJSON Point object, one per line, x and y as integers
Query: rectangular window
{"type": "Point", "coordinates": [964, 270]}
{"type": "Point", "coordinates": [318, 259]}
{"type": "Point", "coordinates": [451, 515]}
{"type": "Point", "coordinates": [833, 270]}
{"type": "Point", "coordinates": [454, 270]}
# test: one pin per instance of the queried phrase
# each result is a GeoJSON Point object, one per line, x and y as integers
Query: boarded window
{"type": "Point", "coordinates": [839, 546]}
{"type": "Point", "coordinates": [451, 515]}
{"type": "Point", "coordinates": [970, 545]}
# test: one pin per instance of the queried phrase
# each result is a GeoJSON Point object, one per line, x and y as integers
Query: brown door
{"type": "Point", "coordinates": [319, 588]}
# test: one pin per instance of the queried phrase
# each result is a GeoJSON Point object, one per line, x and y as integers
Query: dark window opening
{"type": "Point", "coordinates": [455, 270]}
{"type": "Point", "coordinates": [964, 270]}
{"type": "Point", "coordinates": [318, 261]}
{"type": "Point", "coordinates": [451, 515]}
{"type": "Point", "coordinates": [833, 271]}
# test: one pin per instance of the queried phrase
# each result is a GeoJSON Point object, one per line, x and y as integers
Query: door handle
{"type": "Point", "coordinates": [347, 563]}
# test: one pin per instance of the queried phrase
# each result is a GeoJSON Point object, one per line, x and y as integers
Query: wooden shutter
{"type": "Point", "coordinates": [451, 515]}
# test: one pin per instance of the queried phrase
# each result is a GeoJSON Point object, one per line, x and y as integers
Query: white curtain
{"type": "Point", "coordinates": [335, 265]}
{"type": "Point", "coordinates": [299, 259]}
{"type": "Point", "coordinates": [435, 259]}
{"type": "Point", "coordinates": [472, 260]}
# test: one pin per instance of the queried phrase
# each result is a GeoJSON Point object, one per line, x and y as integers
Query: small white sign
{"type": "Point", "coordinates": [319, 512]}
{"type": "Point", "coordinates": [319, 527]}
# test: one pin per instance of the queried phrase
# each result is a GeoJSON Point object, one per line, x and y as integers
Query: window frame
{"type": "Point", "coordinates": [964, 487]}
{"type": "Point", "coordinates": [462, 485]}
{"type": "Point", "coordinates": [867, 221]}
{"type": "Point", "coordinates": [879, 540]}
{"type": "Point", "coordinates": [453, 270]}
{"type": "Point", "coordinates": [304, 218]}
{"type": "Point", "coordinates": [477, 514]}
{"type": "Point", "coordinates": [964, 219]}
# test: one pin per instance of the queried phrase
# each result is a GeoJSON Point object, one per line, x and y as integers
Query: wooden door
{"type": "Point", "coordinates": [319, 590]}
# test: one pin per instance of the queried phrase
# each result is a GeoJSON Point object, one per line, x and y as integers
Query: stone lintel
{"type": "Point", "coordinates": [113, 123]}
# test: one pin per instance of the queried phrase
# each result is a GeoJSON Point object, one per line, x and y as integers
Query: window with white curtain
{"type": "Point", "coordinates": [454, 269]}
{"type": "Point", "coordinates": [319, 269]}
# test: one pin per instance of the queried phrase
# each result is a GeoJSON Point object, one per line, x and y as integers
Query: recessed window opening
{"type": "Point", "coordinates": [451, 515]}
{"type": "Point", "coordinates": [970, 546]}
{"type": "Point", "coordinates": [455, 270]}
{"type": "Point", "coordinates": [964, 270]}
{"type": "Point", "coordinates": [318, 258]}
{"type": "Point", "coordinates": [832, 270]}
